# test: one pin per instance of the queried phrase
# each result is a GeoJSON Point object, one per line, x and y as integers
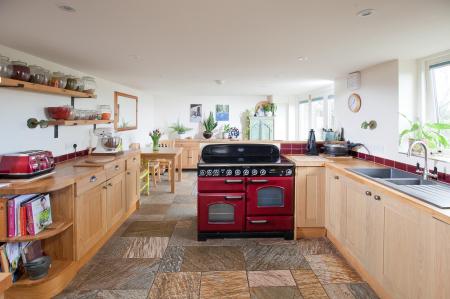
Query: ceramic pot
{"type": "Point", "coordinates": [226, 135]}
{"type": "Point", "coordinates": [207, 135]}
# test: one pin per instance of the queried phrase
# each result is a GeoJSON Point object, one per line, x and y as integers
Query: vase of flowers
{"type": "Point", "coordinates": [155, 135]}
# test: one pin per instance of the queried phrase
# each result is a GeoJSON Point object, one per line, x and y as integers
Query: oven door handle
{"type": "Point", "coordinates": [234, 181]}
{"type": "Point", "coordinates": [258, 181]}
{"type": "Point", "coordinates": [233, 197]}
{"type": "Point", "coordinates": [259, 221]}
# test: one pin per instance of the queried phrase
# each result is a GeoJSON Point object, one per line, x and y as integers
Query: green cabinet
{"type": "Point", "coordinates": [261, 128]}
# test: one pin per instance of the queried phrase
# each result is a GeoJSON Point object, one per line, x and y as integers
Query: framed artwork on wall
{"type": "Point", "coordinates": [222, 112]}
{"type": "Point", "coordinates": [195, 113]}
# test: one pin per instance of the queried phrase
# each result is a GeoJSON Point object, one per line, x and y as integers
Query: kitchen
{"type": "Point", "coordinates": [183, 165]}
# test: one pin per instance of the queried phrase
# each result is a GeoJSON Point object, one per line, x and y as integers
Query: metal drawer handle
{"type": "Point", "coordinates": [234, 181]}
{"type": "Point", "coordinates": [336, 177]}
{"type": "Point", "coordinates": [134, 159]}
{"type": "Point", "coordinates": [259, 221]}
{"type": "Point", "coordinates": [109, 184]}
{"type": "Point", "coordinates": [377, 197]}
{"type": "Point", "coordinates": [237, 197]}
{"type": "Point", "coordinates": [116, 167]}
{"type": "Point", "coordinates": [93, 179]}
{"type": "Point", "coordinates": [258, 181]}
{"type": "Point", "coordinates": [368, 193]}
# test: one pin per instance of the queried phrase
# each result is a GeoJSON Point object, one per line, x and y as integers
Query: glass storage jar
{"type": "Point", "coordinates": [37, 74]}
{"type": "Point", "coordinates": [72, 82]}
{"type": "Point", "coordinates": [58, 80]}
{"type": "Point", "coordinates": [20, 71]}
{"type": "Point", "coordinates": [89, 85]}
{"type": "Point", "coordinates": [47, 77]}
{"type": "Point", "coordinates": [5, 67]}
{"type": "Point", "coordinates": [105, 112]}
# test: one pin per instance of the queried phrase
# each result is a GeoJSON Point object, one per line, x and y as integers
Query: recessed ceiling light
{"type": "Point", "coordinates": [366, 12]}
{"type": "Point", "coordinates": [219, 82]}
{"type": "Point", "coordinates": [134, 56]}
{"type": "Point", "coordinates": [66, 8]}
{"type": "Point", "coordinates": [302, 58]}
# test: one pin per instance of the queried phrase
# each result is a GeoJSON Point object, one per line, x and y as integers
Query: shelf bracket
{"type": "Point", "coordinates": [95, 126]}
{"type": "Point", "coordinates": [55, 131]}
{"type": "Point", "coordinates": [72, 102]}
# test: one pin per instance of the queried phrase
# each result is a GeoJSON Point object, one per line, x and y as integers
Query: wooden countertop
{"type": "Point", "coordinates": [65, 175]}
{"type": "Point", "coordinates": [340, 165]}
{"type": "Point", "coordinates": [308, 161]}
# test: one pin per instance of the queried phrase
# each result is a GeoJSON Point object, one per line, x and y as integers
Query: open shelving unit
{"type": "Point", "coordinates": [53, 230]}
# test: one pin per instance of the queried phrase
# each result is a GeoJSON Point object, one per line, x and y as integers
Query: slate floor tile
{"type": "Point", "coordinates": [225, 284]}
{"type": "Point", "coordinates": [331, 268]}
{"type": "Point", "coordinates": [270, 278]}
{"type": "Point", "coordinates": [275, 293]}
{"type": "Point", "coordinates": [308, 284]}
{"type": "Point", "coordinates": [152, 209]}
{"type": "Point", "coordinates": [176, 285]}
{"type": "Point", "coordinates": [316, 246]}
{"type": "Point", "coordinates": [172, 259]}
{"type": "Point", "coordinates": [135, 247]}
{"type": "Point", "coordinates": [274, 258]}
{"type": "Point", "coordinates": [150, 229]}
{"type": "Point", "coordinates": [212, 258]}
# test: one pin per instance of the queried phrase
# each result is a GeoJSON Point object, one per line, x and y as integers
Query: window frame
{"type": "Point", "coordinates": [326, 97]}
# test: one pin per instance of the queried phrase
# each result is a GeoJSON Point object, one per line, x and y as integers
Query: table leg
{"type": "Point", "coordinates": [172, 175]}
{"type": "Point", "coordinates": [180, 167]}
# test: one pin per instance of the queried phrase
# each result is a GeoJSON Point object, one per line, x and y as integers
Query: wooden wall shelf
{"type": "Point", "coordinates": [55, 229]}
{"type": "Point", "coordinates": [79, 122]}
{"type": "Point", "coordinates": [11, 83]}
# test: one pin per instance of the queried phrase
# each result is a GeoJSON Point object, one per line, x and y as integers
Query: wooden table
{"type": "Point", "coordinates": [169, 153]}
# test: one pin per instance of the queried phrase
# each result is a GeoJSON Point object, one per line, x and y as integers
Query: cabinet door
{"type": "Point", "coordinates": [90, 218]}
{"type": "Point", "coordinates": [115, 199]}
{"type": "Point", "coordinates": [132, 187]}
{"type": "Point", "coordinates": [266, 128]}
{"type": "Point", "coordinates": [441, 259]}
{"type": "Point", "coordinates": [255, 129]}
{"type": "Point", "coordinates": [335, 205]}
{"type": "Point", "coordinates": [310, 196]}
{"type": "Point", "coordinates": [406, 250]}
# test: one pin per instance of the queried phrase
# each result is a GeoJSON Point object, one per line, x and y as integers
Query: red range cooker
{"type": "Point", "coordinates": [245, 190]}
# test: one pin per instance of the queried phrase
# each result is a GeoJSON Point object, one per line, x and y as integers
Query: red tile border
{"type": "Point", "coordinates": [70, 156]}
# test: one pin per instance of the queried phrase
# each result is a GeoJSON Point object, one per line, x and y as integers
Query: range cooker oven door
{"type": "Point", "coordinates": [270, 196]}
{"type": "Point", "coordinates": [221, 212]}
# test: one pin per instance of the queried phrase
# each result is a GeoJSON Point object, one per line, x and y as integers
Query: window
{"type": "Point", "coordinates": [317, 114]}
{"type": "Point", "coordinates": [440, 90]}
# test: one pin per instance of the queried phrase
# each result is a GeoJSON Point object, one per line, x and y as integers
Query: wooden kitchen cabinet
{"type": "Point", "coordinates": [310, 198]}
{"type": "Point", "coordinates": [132, 182]}
{"type": "Point", "coordinates": [115, 199]}
{"type": "Point", "coordinates": [440, 262]}
{"type": "Point", "coordinates": [90, 215]}
{"type": "Point", "coordinates": [191, 153]}
{"type": "Point", "coordinates": [335, 204]}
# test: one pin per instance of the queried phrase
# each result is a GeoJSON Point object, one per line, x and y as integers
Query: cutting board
{"type": "Point", "coordinates": [93, 161]}
{"type": "Point", "coordinates": [308, 161]}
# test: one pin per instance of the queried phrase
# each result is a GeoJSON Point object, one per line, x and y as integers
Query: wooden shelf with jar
{"type": "Point", "coordinates": [22, 85]}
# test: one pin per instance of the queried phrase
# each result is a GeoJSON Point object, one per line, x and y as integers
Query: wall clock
{"type": "Point", "coordinates": [354, 102]}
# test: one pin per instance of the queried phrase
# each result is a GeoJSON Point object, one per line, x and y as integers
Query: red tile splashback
{"type": "Point", "coordinates": [70, 156]}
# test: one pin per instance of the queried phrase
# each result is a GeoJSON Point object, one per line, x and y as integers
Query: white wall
{"type": "Point", "coordinates": [17, 106]}
{"type": "Point", "coordinates": [383, 88]}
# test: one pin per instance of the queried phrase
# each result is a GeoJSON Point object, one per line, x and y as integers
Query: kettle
{"type": "Point", "coordinates": [311, 146]}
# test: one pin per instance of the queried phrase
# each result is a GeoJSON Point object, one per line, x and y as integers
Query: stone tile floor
{"type": "Point", "coordinates": [155, 254]}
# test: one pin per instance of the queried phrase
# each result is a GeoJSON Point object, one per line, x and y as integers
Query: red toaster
{"type": "Point", "coordinates": [26, 164]}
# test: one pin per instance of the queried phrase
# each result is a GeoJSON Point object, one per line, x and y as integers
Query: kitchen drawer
{"type": "Point", "coordinates": [133, 162]}
{"type": "Point", "coordinates": [114, 168]}
{"type": "Point", "coordinates": [211, 184]}
{"type": "Point", "coordinates": [221, 212]}
{"type": "Point", "coordinates": [89, 182]}
{"type": "Point", "coordinates": [269, 223]}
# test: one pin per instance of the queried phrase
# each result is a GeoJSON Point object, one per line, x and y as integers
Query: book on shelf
{"type": "Point", "coordinates": [14, 213]}
{"type": "Point", "coordinates": [4, 215]}
{"type": "Point", "coordinates": [39, 214]}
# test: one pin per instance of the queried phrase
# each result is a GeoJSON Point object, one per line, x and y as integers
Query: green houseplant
{"type": "Point", "coordinates": [179, 128]}
{"type": "Point", "coordinates": [428, 132]}
{"type": "Point", "coordinates": [209, 124]}
{"type": "Point", "coordinates": [226, 131]}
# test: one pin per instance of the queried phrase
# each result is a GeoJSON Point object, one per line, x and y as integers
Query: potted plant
{"type": "Point", "coordinates": [226, 131]}
{"type": "Point", "coordinates": [180, 129]}
{"type": "Point", "coordinates": [267, 109]}
{"type": "Point", "coordinates": [273, 108]}
{"type": "Point", "coordinates": [430, 133]}
{"type": "Point", "coordinates": [209, 124]}
{"type": "Point", "coordinates": [155, 135]}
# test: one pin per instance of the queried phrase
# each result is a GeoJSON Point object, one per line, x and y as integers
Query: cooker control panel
{"type": "Point", "coordinates": [248, 171]}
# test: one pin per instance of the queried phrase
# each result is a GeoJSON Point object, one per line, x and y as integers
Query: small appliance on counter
{"type": "Point", "coordinates": [107, 143]}
{"type": "Point", "coordinates": [341, 149]}
{"type": "Point", "coordinates": [245, 190]}
{"type": "Point", "coordinates": [27, 164]}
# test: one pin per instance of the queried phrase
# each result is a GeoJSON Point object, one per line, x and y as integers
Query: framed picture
{"type": "Point", "coordinates": [195, 113]}
{"type": "Point", "coordinates": [222, 112]}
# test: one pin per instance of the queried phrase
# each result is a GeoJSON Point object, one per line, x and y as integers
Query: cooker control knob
{"type": "Point", "coordinates": [246, 172]}
{"type": "Point", "coordinates": [202, 172]}
{"type": "Point", "coordinates": [229, 172]}
{"type": "Point", "coordinates": [237, 172]}
{"type": "Point", "coordinates": [254, 171]}
{"type": "Point", "coordinates": [216, 172]}
{"type": "Point", "coordinates": [262, 172]}
{"type": "Point", "coordinates": [288, 171]}
{"type": "Point", "coordinates": [209, 172]}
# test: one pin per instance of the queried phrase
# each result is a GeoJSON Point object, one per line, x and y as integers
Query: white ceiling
{"type": "Point", "coordinates": [182, 46]}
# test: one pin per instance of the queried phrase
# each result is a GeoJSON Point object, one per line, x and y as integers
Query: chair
{"type": "Point", "coordinates": [147, 169]}
{"type": "Point", "coordinates": [164, 163]}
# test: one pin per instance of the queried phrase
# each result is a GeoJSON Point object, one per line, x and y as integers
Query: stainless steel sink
{"type": "Point", "coordinates": [432, 192]}
{"type": "Point", "coordinates": [410, 182]}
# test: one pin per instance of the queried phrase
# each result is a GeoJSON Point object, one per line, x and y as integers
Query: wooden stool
{"type": "Point", "coordinates": [164, 163]}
